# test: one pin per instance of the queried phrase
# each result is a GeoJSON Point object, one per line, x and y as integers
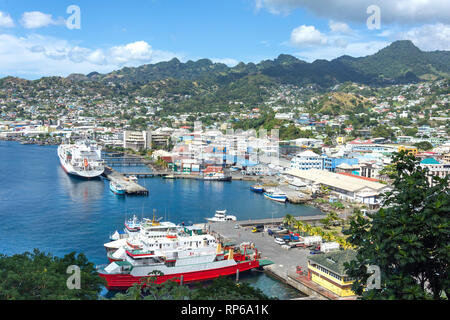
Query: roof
{"type": "Point", "coordinates": [359, 177]}
{"type": "Point", "coordinates": [344, 182]}
{"type": "Point", "coordinates": [429, 161]}
{"type": "Point", "coordinates": [334, 261]}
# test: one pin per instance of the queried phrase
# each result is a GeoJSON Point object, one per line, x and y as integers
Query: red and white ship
{"type": "Point", "coordinates": [187, 257]}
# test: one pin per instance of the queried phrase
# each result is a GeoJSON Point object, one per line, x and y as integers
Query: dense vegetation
{"type": "Point", "coordinates": [40, 276]}
{"type": "Point", "coordinates": [222, 288]}
{"type": "Point", "coordinates": [408, 238]}
{"type": "Point", "coordinates": [400, 62]}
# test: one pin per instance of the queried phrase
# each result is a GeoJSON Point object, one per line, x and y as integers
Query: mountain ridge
{"type": "Point", "coordinates": [399, 62]}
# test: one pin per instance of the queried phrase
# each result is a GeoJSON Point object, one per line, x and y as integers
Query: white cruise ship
{"type": "Point", "coordinates": [82, 159]}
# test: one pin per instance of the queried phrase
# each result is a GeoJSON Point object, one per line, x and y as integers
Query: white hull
{"type": "Point", "coordinates": [83, 172]}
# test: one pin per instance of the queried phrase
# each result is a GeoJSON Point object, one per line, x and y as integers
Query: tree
{"type": "Point", "coordinates": [424, 145]}
{"type": "Point", "coordinates": [222, 288]}
{"type": "Point", "coordinates": [408, 238]}
{"type": "Point", "coordinates": [40, 276]}
{"type": "Point", "coordinates": [289, 219]}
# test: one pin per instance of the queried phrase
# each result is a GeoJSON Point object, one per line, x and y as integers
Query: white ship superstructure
{"type": "Point", "coordinates": [82, 159]}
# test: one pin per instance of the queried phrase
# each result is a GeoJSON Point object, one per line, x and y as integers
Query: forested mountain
{"type": "Point", "coordinates": [400, 62]}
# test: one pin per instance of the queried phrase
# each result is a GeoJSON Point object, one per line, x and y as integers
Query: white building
{"type": "Point", "coordinates": [307, 160]}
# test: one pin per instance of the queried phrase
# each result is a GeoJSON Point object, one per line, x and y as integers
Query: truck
{"type": "Point", "coordinates": [312, 240]}
{"type": "Point", "coordinates": [307, 242]}
{"type": "Point", "coordinates": [290, 237]}
{"type": "Point", "coordinates": [329, 246]}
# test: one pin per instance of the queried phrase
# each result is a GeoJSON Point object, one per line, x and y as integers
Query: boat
{"type": "Point", "coordinates": [133, 178]}
{"type": "Point", "coordinates": [82, 159]}
{"type": "Point", "coordinates": [116, 188]}
{"type": "Point", "coordinates": [133, 224]}
{"type": "Point", "coordinates": [221, 216]}
{"type": "Point", "coordinates": [216, 176]}
{"type": "Point", "coordinates": [257, 188]}
{"type": "Point", "coordinates": [276, 195]}
{"type": "Point", "coordinates": [170, 176]}
{"type": "Point", "coordinates": [184, 258]}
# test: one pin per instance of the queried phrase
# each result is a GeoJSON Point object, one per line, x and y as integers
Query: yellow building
{"type": "Point", "coordinates": [446, 158]}
{"type": "Point", "coordinates": [327, 270]}
{"type": "Point", "coordinates": [409, 150]}
{"type": "Point", "coordinates": [340, 140]}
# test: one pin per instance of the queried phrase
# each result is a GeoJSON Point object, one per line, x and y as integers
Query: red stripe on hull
{"type": "Point", "coordinates": [124, 281]}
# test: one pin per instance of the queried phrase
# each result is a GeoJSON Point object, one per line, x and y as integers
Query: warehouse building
{"type": "Point", "coordinates": [345, 187]}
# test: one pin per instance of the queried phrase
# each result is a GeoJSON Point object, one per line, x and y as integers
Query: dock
{"type": "Point", "coordinates": [132, 188]}
{"type": "Point", "coordinates": [285, 261]}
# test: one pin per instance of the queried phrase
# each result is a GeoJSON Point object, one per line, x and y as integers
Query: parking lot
{"type": "Point", "coordinates": [284, 260]}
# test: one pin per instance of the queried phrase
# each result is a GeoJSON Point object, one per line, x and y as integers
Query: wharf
{"type": "Point", "coordinates": [285, 261]}
{"type": "Point", "coordinates": [131, 187]}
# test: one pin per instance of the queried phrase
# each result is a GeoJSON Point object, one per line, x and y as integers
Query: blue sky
{"type": "Point", "coordinates": [35, 41]}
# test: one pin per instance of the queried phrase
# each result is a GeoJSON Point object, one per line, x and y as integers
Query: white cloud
{"type": "Point", "coordinates": [5, 20]}
{"type": "Point", "coordinates": [428, 37]}
{"type": "Point", "coordinates": [307, 36]}
{"type": "Point", "coordinates": [398, 11]}
{"type": "Point", "coordinates": [339, 27]}
{"type": "Point", "coordinates": [356, 49]}
{"type": "Point", "coordinates": [228, 61]}
{"type": "Point", "coordinates": [36, 55]}
{"type": "Point", "coordinates": [37, 19]}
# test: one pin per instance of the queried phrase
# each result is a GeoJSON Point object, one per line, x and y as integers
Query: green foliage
{"type": "Point", "coordinates": [424, 145]}
{"type": "Point", "coordinates": [222, 288]}
{"type": "Point", "coordinates": [408, 238]}
{"type": "Point", "coordinates": [40, 276]}
{"type": "Point", "coordinates": [383, 131]}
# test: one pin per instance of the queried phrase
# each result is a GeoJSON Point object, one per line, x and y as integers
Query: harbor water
{"type": "Point", "coordinates": [42, 207]}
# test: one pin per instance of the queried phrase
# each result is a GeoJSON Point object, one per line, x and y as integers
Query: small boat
{"type": "Point", "coordinates": [216, 176]}
{"type": "Point", "coordinates": [276, 195]}
{"type": "Point", "coordinates": [221, 216]}
{"type": "Point", "coordinates": [257, 188]}
{"type": "Point", "coordinates": [133, 224]}
{"type": "Point", "coordinates": [133, 179]}
{"type": "Point", "coordinates": [170, 176]}
{"type": "Point", "coordinates": [116, 188]}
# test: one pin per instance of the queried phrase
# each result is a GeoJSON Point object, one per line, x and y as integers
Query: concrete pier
{"type": "Point", "coordinates": [285, 261]}
{"type": "Point", "coordinates": [131, 187]}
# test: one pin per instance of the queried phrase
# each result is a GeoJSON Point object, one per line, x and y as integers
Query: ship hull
{"type": "Point", "coordinates": [124, 281]}
{"type": "Point", "coordinates": [87, 174]}
{"type": "Point", "coordinates": [257, 189]}
{"type": "Point", "coordinates": [116, 191]}
{"type": "Point", "coordinates": [278, 199]}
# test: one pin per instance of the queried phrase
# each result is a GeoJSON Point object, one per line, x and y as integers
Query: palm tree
{"type": "Point", "coordinates": [299, 225]}
{"type": "Point", "coordinates": [289, 219]}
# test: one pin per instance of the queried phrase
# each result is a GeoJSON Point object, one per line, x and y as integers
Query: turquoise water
{"type": "Point", "coordinates": [42, 207]}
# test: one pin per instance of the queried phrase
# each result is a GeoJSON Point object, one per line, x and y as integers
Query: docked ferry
{"type": "Point", "coordinates": [82, 159]}
{"type": "Point", "coordinates": [216, 176]}
{"type": "Point", "coordinates": [221, 216]}
{"type": "Point", "coordinates": [116, 188]}
{"type": "Point", "coordinates": [276, 195]}
{"type": "Point", "coordinates": [186, 258]}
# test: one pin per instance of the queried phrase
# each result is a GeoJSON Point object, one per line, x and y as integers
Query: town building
{"type": "Point", "coordinates": [328, 271]}
{"type": "Point", "coordinates": [307, 160]}
{"type": "Point", "coordinates": [345, 187]}
{"type": "Point", "coordinates": [137, 140]}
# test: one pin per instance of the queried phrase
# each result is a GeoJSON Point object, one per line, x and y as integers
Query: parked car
{"type": "Point", "coordinates": [258, 228]}
{"type": "Point", "coordinates": [236, 226]}
{"type": "Point", "coordinates": [279, 241]}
